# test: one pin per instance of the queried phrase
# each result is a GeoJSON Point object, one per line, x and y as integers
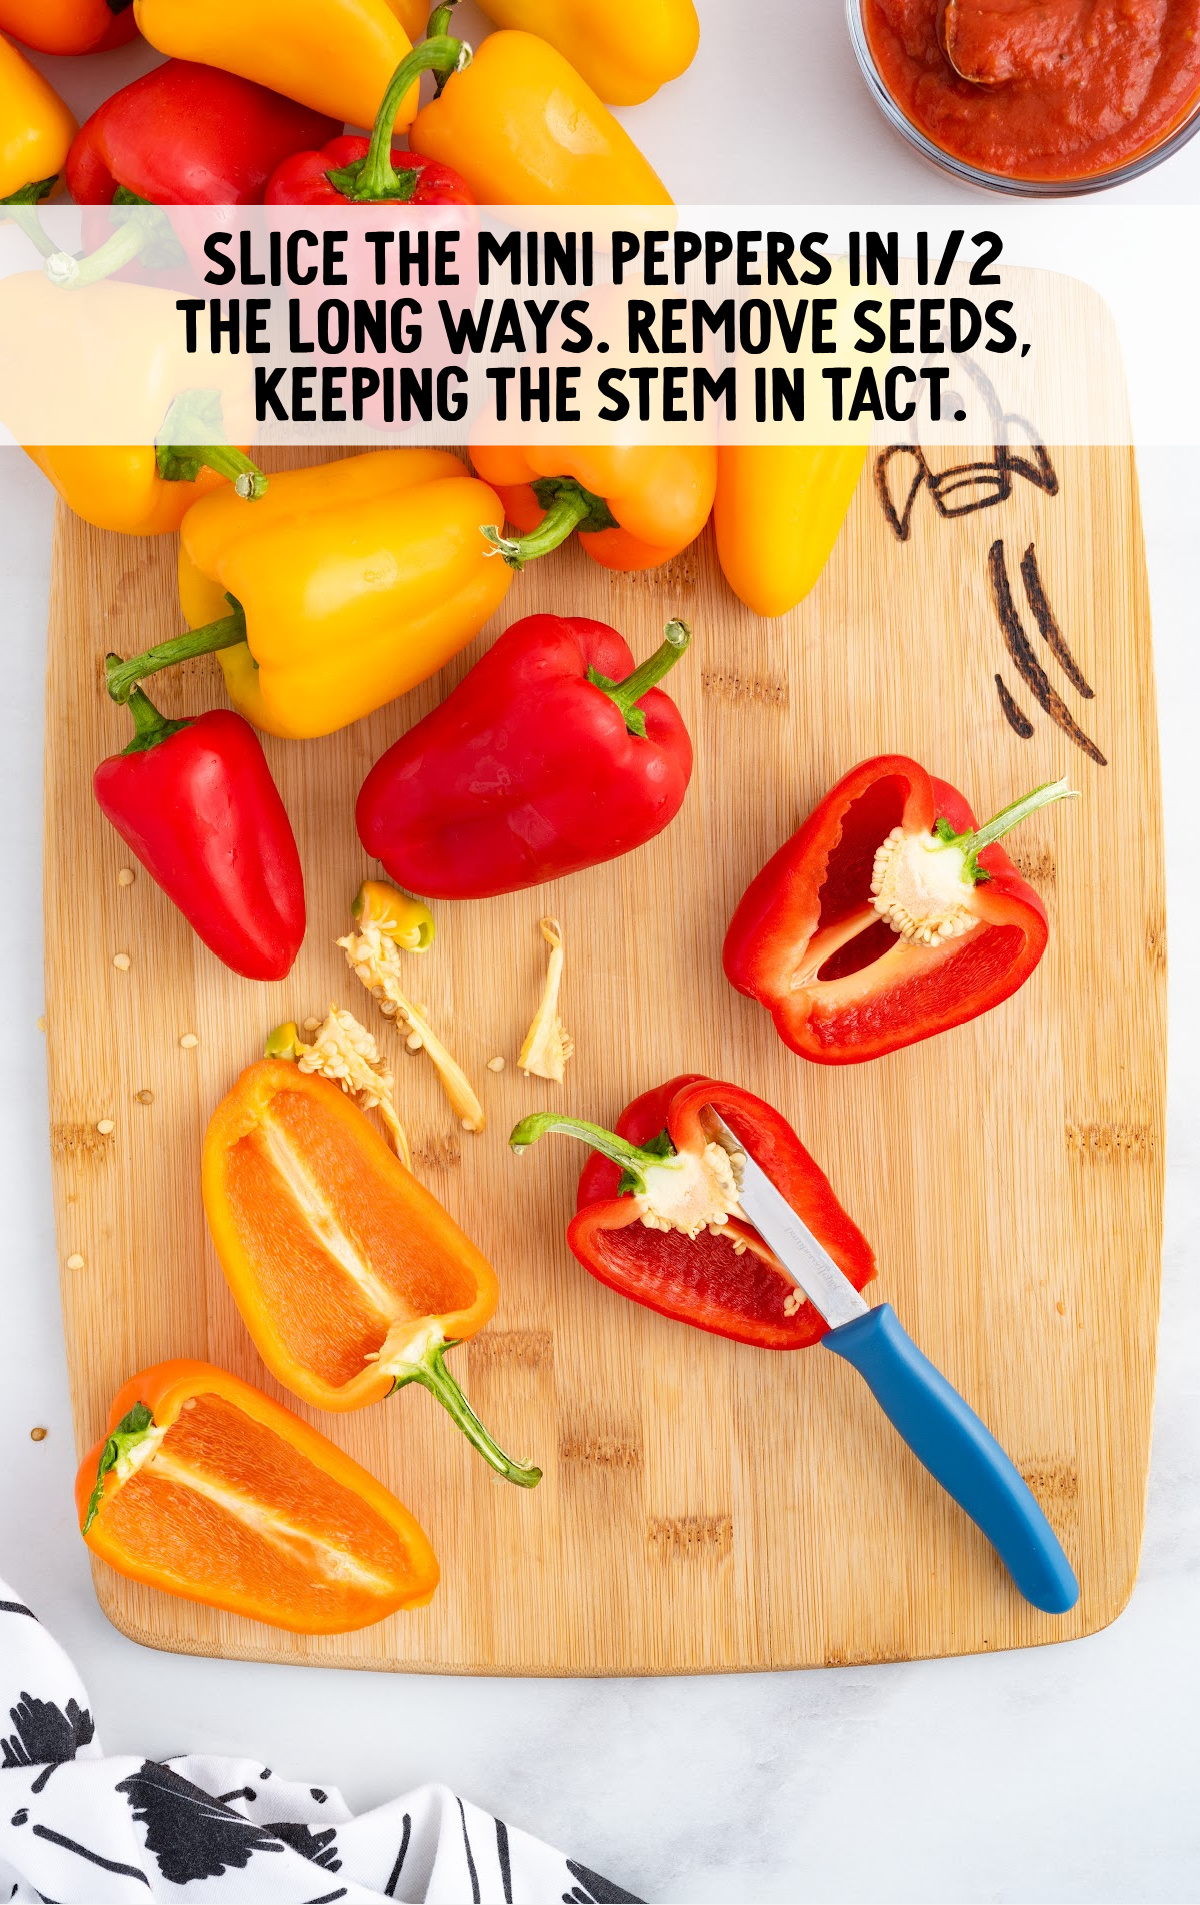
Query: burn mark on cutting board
{"type": "Point", "coordinates": [526, 1349]}
{"type": "Point", "coordinates": [1115, 1142]}
{"type": "Point", "coordinates": [1021, 650]}
{"type": "Point", "coordinates": [764, 691]}
{"type": "Point", "coordinates": [601, 1445]}
{"type": "Point", "coordinates": [690, 1537]}
{"type": "Point", "coordinates": [79, 1141]}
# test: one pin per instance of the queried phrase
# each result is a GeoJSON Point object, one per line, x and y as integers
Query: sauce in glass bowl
{"type": "Point", "coordinates": [1039, 90]}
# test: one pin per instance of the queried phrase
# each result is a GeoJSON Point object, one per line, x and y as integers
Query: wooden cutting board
{"type": "Point", "coordinates": [705, 1506]}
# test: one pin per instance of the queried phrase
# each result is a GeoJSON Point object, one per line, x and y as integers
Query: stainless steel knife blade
{"type": "Point", "coordinates": [806, 1261]}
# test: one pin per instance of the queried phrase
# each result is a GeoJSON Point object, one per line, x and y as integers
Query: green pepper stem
{"type": "Point", "coordinates": [619, 1150]}
{"type": "Point", "coordinates": [629, 692]}
{"type": "Point", "coordinates": [973, 842]}
{"type": "Point", "coordinates": [149, 726]}
{"type": "Point", "coordinates": [122, 677]}
{"type": "Point", "coordinates": [192, 439]}
{"type": "Point", "coordinates": [569, 509]}
{"type": "Point", "coordinates": [22, 208]}
{"type": "Point", "coordinates": [432, 1374]}
{"type": "Point", "coordinates": [373, 178]}
{"type": "Point", "coordinates": [74, 273]}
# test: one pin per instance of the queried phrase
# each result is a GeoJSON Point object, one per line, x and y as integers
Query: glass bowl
{"type": "Point", "coordinates": [1169, 142]}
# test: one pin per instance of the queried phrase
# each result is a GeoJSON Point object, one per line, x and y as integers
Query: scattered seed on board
{"type": "Point", "coordinates": [106, 1127]}
{"type": "Point", "coordinates": [42, 1023]}
{"type": "Point", "coordinates": [189, 1041]}
{"type": "Point", "coordinates": [126, 876]}
{"type": "Point", "coordinates": [414, 1041]}
{"type": "Point", "coordinates": [144, 1097]}
{"type": "Point", "coordinates": [312, 1025]}
{"type": "Point", "coordinates": [495, 1064]}
{"type": "Point", "coordinates": [75, 1261]}
{"type": "Point", "coordinates": [122, 962]}
{"type": "Point", "coordinates": [38, 1435]}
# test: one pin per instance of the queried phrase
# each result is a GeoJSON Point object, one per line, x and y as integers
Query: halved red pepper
{"type": "Point", "coordinates": [555, 753]}
{"type": "Point", "coordinates": [195, 801]}
{"type": "Point", "coordinates": [657, 1219]}
{"type": "Point", "coordinates": [888, 916]}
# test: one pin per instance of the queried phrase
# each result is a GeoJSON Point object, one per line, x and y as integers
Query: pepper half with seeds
{"type": "Point", "coordinates": [890, 915]}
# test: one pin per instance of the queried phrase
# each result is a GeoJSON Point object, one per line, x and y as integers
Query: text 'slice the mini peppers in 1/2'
{"type": "Point", "coordinates": [888, 916]}
{"type": "Point", "coordinates": [205, 1488]}
{"type": "Point", "coordinates": [634, 505]}
{"type": "Point", "coordinates": [657, 1218]}
{"type": "Point", "coordinates": [625, 49]}
{"type": "Point", "coordinates": [777, 514]}
{"type": "Point", "coordinates": [345, 586]}
{"type": "Point", "coordinates": [555, 753]}
{"type": "Point", "coordinates": [349, 1275]}
{"type": "Point", "coordinates": [186, 134]}
{"type": "Point", "coordinates": [336, 56]}
{"type": "Point", "coordinates": [69, 26]}
{"type": "Point", "coordinates": [196, 803]}
{"type": "Point", "coordinates": [36, 130]}
{"type": "Point", "coordinates": [523, 128]}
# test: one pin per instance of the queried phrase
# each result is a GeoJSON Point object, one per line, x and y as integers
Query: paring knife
{"type": "Point", "coordinates": [942, 1432]}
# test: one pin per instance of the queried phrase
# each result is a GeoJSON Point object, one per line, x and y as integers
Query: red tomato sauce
{"type": "Point", "coordinates": [1039, 89]}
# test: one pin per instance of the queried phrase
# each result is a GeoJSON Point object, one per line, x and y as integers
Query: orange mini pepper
{"type": "Point", "coordinates": [522, 127]}
{"type": "Point", "coordinates": [625, 49]}
{"type": "Point", "coordinates": [36, 130]}
{"type": "Point", "coordinates": [634, 505]}
{"type": "Point", "coordinates": [348, 584]}
{"type": "Point", "coordinates": [203, 1487]}
{"type": "Point", "coordinates": [779, 511]}
{"type": "Point", "coordinates": [336, 56]}
{"type": "Point", "coordinates": [350, 1276]}
{"type": "Point", "coordinates": [69, 26]}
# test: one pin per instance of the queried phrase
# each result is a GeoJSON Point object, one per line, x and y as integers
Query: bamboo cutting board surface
{"type": "Point", "coordinates": [705, 1505]}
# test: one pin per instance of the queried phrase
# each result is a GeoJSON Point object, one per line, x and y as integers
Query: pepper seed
{"type": "Point", "coordinates": [106, 1127]}
{"type": "Point", "coordinates": [126, 876]}
{"type": "Point", "coordinates": [189, 1042]}
{"type": "Point", "coordinates": [38, 1435]}
{"type": "Point", "coordinates": [144, 1097]}
{"type": "Point", "coordinates": [495, 1064]}
{"type": "Point", "coordinates": [122, 961]}
{"type": "Point", "coordinates": [75, 1261]}
{"type": "Point", "coordinates": [41, 1024]}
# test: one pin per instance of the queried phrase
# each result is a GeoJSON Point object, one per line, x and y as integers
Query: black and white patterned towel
{"type": "Point", "coordinates": [77, 1828]}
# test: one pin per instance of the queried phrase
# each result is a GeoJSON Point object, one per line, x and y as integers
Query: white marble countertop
{"type": "Point", "coordinates": [1057, 1774]}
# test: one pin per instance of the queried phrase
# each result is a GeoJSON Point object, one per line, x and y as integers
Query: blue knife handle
{"type": "Point", "coordinates": [951, 1441]}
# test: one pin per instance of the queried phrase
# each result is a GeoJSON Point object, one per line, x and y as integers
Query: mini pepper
{"type": "Point", "coordinates": [778, 511]}
{"type": "Point", "coordinates": [36, 130]}
{"type": "Point", "coordinates": [350, 583]}
{"type": "Point", "coordinates": [69, 26]}
{"type": "Point", "coordinates": [624, 49]}
{"type": "Point", "coordinates": [555, 753]}
{"type": "Point", "coordinates": [203, 1487]}
{"type": "Point", "coordinates": [195, 801]}
{"type": "Point", "coordinates": [349, 1275]}
{"type": "Point", "coordinates": [521, 126]}
{"type": "Point", "coordinates": [333, 55]}
{"type": "Point", "coordinates": [634, 505]}
{"type": "Point", "coordinates": [888, 916]}
{"type": "Point", "coordinates": [657, 1217]}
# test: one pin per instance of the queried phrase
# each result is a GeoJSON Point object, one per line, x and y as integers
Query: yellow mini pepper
{"type": "Point", "coordinates": [349, 583]}
{"type": "Point", "coordinates": [521, 126]}
{"type": "Point", "coordinates": [624, 49]}
{"type": "Point", "coordinates": [36, 131]}
{"type": "Point", "coordinates": [778, 512]}
{"type": "Point", "coordinates": [333, 55]}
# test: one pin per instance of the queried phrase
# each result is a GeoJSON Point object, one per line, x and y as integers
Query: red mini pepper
{"type": "Point", "coordinates": [889, 916]}
{"type": "Point", "coordinates": [657, 1220]}
{"type": "Point", "coordinates": [189, 135]}
{"type": "Point", "coordinates": [196, 803]}
{"type": "Point", "coordinates": [555, 753]}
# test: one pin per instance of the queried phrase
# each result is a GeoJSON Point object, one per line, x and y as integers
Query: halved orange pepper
{"type": "Point", "coordinates": [350, 1276]}
{"type": "Point", "coordinates": [634, 505]}
{"type": "Point", "coordinates": [205, 1488]}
